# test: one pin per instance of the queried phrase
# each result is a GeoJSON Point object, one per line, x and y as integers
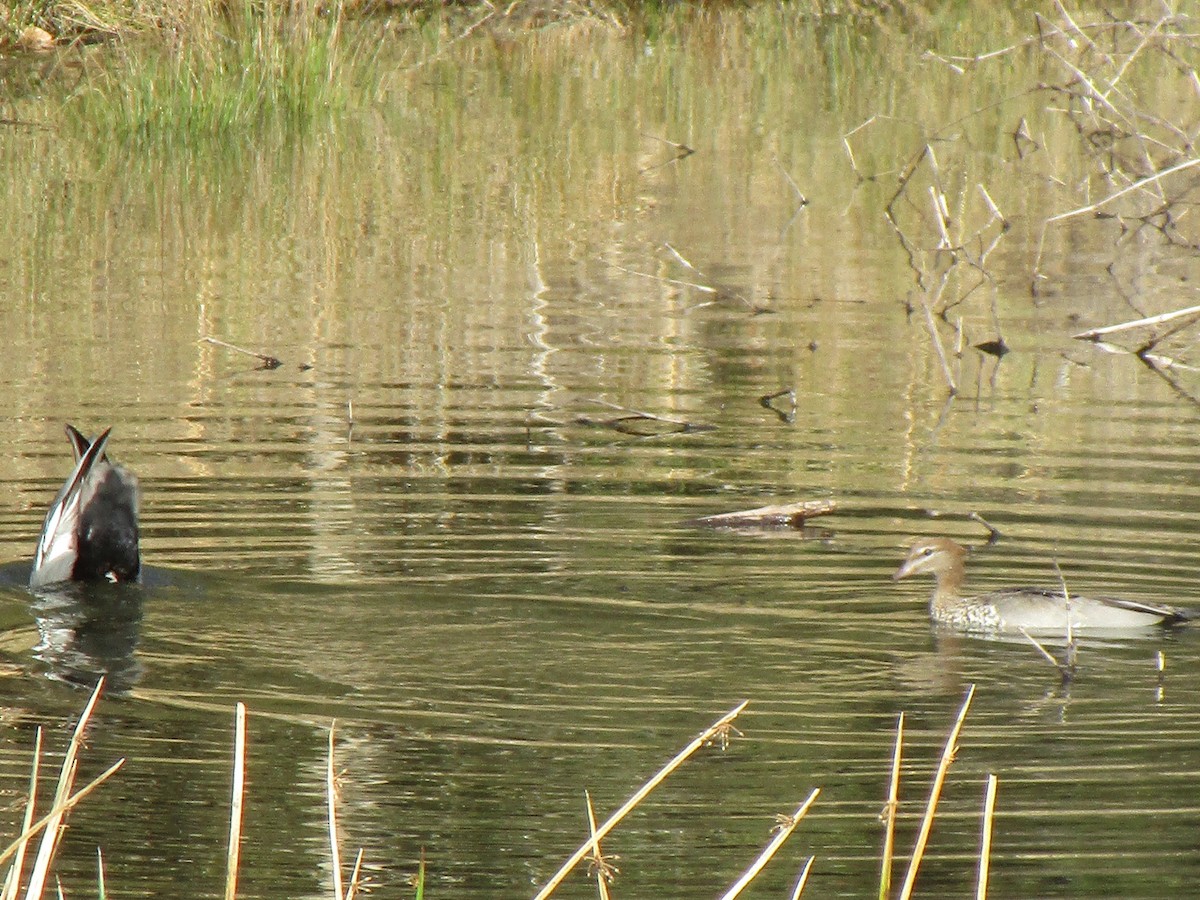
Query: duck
{"type": "Point", "coordinates": [1029, 609]}
{"type": "Point", "coordinates": [91, 529]}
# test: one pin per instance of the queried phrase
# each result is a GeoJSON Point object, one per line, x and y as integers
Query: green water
{"type": "Point", "coordinates": [420, 525]}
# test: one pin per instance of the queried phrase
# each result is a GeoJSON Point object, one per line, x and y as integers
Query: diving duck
{"type": "Point", "coordinates": [91, 530]}
{"type": "Point", "coordinates": [1023, 608]}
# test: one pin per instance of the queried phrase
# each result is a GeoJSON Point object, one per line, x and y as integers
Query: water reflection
{"type": "Point", "coordinates": [89, 631]}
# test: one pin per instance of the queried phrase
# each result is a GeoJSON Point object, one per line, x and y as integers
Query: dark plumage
{"type": "Point", "coordinates": [91, 530]}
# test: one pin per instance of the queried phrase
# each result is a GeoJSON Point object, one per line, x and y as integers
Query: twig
{"type": "Point", "coordinates": [783, 832]}
{"type": "Point", "coordinates": [792, 181]}
{"type": "Point", "coordinates": [985, 848]}
{"type": "Point", "coordinates": [268, 362]}
{"type": "Point", "coordinates": [889, 814]}
{"type": "Point", "coordinates": [1046, 653]}
{"type": "Point", "coordinates": [1096, 334]}
{"type": "Point", "coordinates": [1092, 207]}
{"type": "Point", "coordinates": [717, 729]}
{"type": "Point", "coordinates": [994, 533]}
{"type": "Point", "coordinates": [910, 878]}
{"type": "Point", "coordinates": [235, 806]}
{"type": "Point", "coordinates": [683, 151]}
{"type": "Point", "coordinates": [1072, 650]}
{"type": "Point", "coordinates": [700, 287]}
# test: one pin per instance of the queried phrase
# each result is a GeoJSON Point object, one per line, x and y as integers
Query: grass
{"type": "Point", "coordinates": [236, 75]}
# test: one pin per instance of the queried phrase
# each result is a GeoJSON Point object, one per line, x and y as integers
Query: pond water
{"type": "Point", "coordinates": [426, 525]}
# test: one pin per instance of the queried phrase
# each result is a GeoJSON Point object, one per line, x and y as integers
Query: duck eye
{"type": "Point", "coordinates": [928, 551]}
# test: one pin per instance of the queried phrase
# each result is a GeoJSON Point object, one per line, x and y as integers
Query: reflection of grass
{"type": "Point", "coordinates": [232, 77]}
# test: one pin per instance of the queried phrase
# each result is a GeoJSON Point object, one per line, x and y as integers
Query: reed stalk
{"type": "Point", "coordinates": [910, 878]}
{"type": "Point", "coordinates": [889, 814]}
{"type": "Point", "coordinates": [331, 792]}
{"type": "Point", "coordinates": [235, 806]}
{"type": "Point", "coordinates": [12, 882]}
{"type": "Point", "coordinates": [718, 728]}
{"type": "Point", "coordinates": [985, 843]}
{"type": "Point", "coordinates": [782, 833]}
{"type": "Point", "coordinates": [803, 879]}
{"type": "Point", "coordinates": [603, 868]}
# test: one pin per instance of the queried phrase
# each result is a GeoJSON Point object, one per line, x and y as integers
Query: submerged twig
{"type": "Point", "coordinates": [268, 362]}
{"type": "Point", "coordinates": [718, 728]}
{"type": "Point", "coordinates": [787, 515]}
{"type": "Point", "coordinates": [624, 422]}
{"type": "Point", "coordinates": [682, 151]}
{"type": "Point", "coordinates": [994, 533]}
{"type": "Point", "coordinates": [783, 830]}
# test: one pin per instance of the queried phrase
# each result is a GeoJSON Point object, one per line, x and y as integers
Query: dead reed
{"type": "Point", "coordinates": [53, 824]}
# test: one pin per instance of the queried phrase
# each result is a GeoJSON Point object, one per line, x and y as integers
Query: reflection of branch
{"type": "Point", "coordinates": [708, 289]}
{"type": "Point", "coordinates": [1151, 361]}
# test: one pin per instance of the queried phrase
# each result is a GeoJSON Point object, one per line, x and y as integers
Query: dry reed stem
{"type": "Point", "coordinates": [236, 799]}
{"type": "Point", "coordinates": [889, 813]}
{"type": "Point", "coordinates": [331, 797]}
{"type": "Point", "coordinates": [66, 781]}
{"type": "Point", "coordinates": [352, 889]}
{"type": "Point", "coordinates": [802, 880]}
{"type": "Point", "coordinates": [910, 878]}
{"type": "Point", "coordinates": [59, 811]}
{"type": "Point", "coordinates": [1046, 653]}
{"type": "Point", "coordinates": [783, 832]}
{"type": "Point", "coordinates": [1072, 647]}
{"type": "Point", "coordinates": [603, 868]}
{"type": "Point", "coordinates": [985, 846]}
{"type": "Point", "coordinates": [12, 882]}
{"type": "Point", "coordinates": [101, 890]}
{"type": "Point", "coordinates": [718, 728]}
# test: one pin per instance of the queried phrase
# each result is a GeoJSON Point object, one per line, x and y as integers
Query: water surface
{"type": "Point", "coordinates": [424, 526]}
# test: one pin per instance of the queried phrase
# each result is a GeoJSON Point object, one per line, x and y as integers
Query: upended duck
{"type": "Point", "coordinates": [1024, 608]}
{"type": "Point", "coordinates": [91, 530]}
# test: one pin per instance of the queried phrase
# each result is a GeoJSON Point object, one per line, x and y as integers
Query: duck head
{"type": "Point", "coordinates": [933, 556]}
{"type": "Point", "coordinates": [91, 529]}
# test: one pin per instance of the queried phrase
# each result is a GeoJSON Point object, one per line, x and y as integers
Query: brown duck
{"type": "Point", "coordinates": [1027, 608]}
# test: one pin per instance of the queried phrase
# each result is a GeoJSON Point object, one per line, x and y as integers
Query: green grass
{"type": "Point", "coordinates": [236, 76]}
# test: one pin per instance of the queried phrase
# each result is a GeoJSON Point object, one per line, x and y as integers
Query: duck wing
{"type": "Point", "coordinates": [57, 547]}
{"type": "Point", "coordinates": [1042, 609]}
